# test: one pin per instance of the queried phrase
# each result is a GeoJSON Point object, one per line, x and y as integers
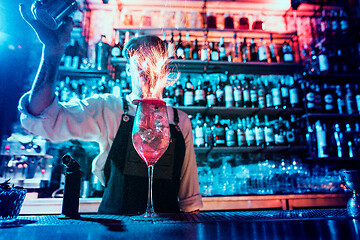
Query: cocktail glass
{"type": "Point", "coordinates": [151, 137]}
{"type": "Point", "coordinates": [351, 180]}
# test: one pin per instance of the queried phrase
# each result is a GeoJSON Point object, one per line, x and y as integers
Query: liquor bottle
{"type": "Point", "coordinates": [253, 94]}
{"type": "Point", "coordinates": [228, 91]}
{"type": "Point", "coordinates": [246, 93]}
{"type": "Point", "coordinates": [287, 52]}
{"type": "Point", "coordinates": [344, 23]}
{"type": "Point", "coordinates": [230, 135]}
{"type": "Point", "coordinates": [349, 141]}
{"type": "Point", "coordinates": [209, 138]}
{"type": "Point", "coordinates": [262, 54]}
{"type": "Point", "coordinates": [219, 133]}
{"type": "Point", "coordinates": [314, 63]}
{"type": "Point", "coordinates": [279, 132]}
{"type": "Point", "coordinates": [76, 58]}
{"type": "Point", "coordinates": [205, 49]}
{"type": "Point", "coordinates": [164, 40]}
{"type": "Point", "coordinates": [290, 133]}
{"type": "Point", "coordinates": [125, 87]}
{"type": "Point", "coordinates": [357, 139]}
{"type": "Point", "coordinates": [195, 51]}
{"type": "Point", "coordinates": [321, 140]}
{"type": "Point", "coordinates": [168, 96]}
{"type": "Point", "coordinates": [311, 141]}
{"type": "Point", "coordinates": [335, 23]}
{"type": "Point", "coordinates": [294, 94]}
{"type": "Point", "coordinates": [276, 94]}
{"type": "Point", "coordinates": [340, 100]}
{"type": "Point", "coordinates": [199, 140]}
{"type": "Point", "coordinates": [179, 48]}
{"type": "Point", "coordinates": [349, 100]}
{"type": "Point", "coordinates": [244, 51]}
{"type": "Point", "coordinates": [309, 96]}
{"type": "Point", "coordinates": [272, 51]}
{"type": "Point", "coordinates": [220, 93]}
{"type": "Point", "coordinates": [222, 50]}
{"type": "Point", "coordinates": [179, 94]}
{"type": "Point", "coordinates": [357, 97]}
{"type": "Point", "coordinates": [214, 53]}
{"type": "Point", "coordinates": [268, 94]}
{"type": "Point", "coordinates": [171, 47]}
{"type": "Point", "coordinates": [325, 23]}
{"type": "Point", "coordinates": [116, 49]}
{"type": "Point", "coordinates": [323, 60]}
{"type": "Point", "coordinates": [328, 99]}
{"type": "Point", "coordinates": [199, 98]}
{"type": "Point", "coordinates": [253, 51]}
{"type": "Point", "coordinates": [238, 98]}
{"type": "Point", "coordinates": [317, 98]}
{"type": "Point", "coordinates": [268, 132]}
{"type": "Point", "coordinates": [339, 140]}
{"type": "Point", "coordinates": [298, 131]}
{"type": "Point", "coordinates": [188, 93]}
{"type": "Point", "coordinates": [236, 50]}
{"type": "Point", "coordinates": [210, 96]}
{"type": "Point", "coordinates": [261, 95]}
{"type": "Point", "coordinates": [241, 139]}
{"type": "Point", "coordinates": [285, 96]}
{"type": "Point", "coordinates": [259, 133]}
{"type": "Point", "coordinates": [249, 133]}
{"type": "Point", "coordinates": [187, 48]}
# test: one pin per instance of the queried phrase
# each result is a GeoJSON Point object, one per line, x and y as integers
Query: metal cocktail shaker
{"type": "Point", "coordinates": [52, 13]}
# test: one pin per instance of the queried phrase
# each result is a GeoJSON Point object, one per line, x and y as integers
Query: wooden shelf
{"type": "Point", "coordinates": [197, 66]}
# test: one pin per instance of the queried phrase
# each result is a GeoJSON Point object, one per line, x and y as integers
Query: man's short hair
{"type": "Point", "coordinates": [145, 42]}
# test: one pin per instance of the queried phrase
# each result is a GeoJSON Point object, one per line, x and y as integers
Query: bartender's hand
{"type": "Point", "coordinates": [55, 41]}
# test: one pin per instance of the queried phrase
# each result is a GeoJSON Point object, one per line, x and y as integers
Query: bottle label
{"type": "Point", "coordinates": [284, 92]}
{"type": "Point", "coordinates": [262, 102]}
{"type": "Point", "coordinates": [269, 135]}
{"type": "Point", "coordinates": [246, 95]}
{"type": "Point", "coordinates": [179, 52]}
{"type": "Point", "coordinates": [288, 57]}
{"type": "Point", "coordinates": [241, 138]}
{"type": "Point", "coordinates": [294, 97]}
{"type": "Point", "coordinates": [279, 139]}
{"type": "Point", "coordinates": [358, 102]}
{"type": "Point", "coordinates": [323, 63]}
{"type": "Point", "coordinates": [262, 53]}
{"type": "Point", "coordinates": [214, 56]}
{"type": "Point", "coordinates": [321, 143]}
{"type": "Point", "coordinates": [250, 137]}
{"type": "Point", "coordinates": [204, 55]}
{"type": "Point", "coordinates": [211, 100]}
{"type": "Point", "coordinates": [188, 98]}
{"type": "Point", "coordinates": [199, 132]}
{"type": "Point", "coordinates": [276, 96]}
{"type": "Point", "coordinates": [230, 138]}
{"type": "Point", "coordinates": [237, 95]}
{"type": "Point", "coordinates": [259, 135]}
{"type": "Point", "coordinates": [310, 98]}
{"type": "Point", "coordinates": [329, 102]}
{"type": "Point", "coordinates": [269, 100]}
{"type": "Point", "coordinates": [253, 96]}
{"type": "Point", "coordinates": [229, 95]}
{"type": "Point", "coordinates": [171, 50]}
{"type": "Point", "coordinates": [199, 95]}
{"type": "Point", "coordinates": [219, 135]}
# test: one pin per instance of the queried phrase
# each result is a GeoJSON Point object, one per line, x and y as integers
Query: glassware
{"type": "Point", "coordinates": [351, 180]}
{"type": "Point", "coordinates": [151, 137]}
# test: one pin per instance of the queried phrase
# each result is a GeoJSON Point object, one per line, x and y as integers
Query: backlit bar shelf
{"type": "Point", "coordinates": [334, 116]}
{"type": "Point", "coordinates": [82, 73]}
{"type": "Point", "coordinates": [200, 67]}
{"type": "Point", "coordinates": [251, 149]}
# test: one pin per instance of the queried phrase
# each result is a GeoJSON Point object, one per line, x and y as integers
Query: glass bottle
{"type": "Point", "coordinates": [241, 139]}
{"type": "Point", "coordinates": [294, 94]}
{"type": "Point", "coordinates": [287, 52]}
{"type": "Point", "coordinates": [259, 132]}
{"type": "Point", "coordinates": [228, 91]}
{"type": "Point", "coordinates": [210, 96]}
{"type": "Point", "coordinates": [269, 136]}
{"type": "Point", "coordinates": [220, 93]}
{"type": "Point", "coordinates": [249, 133]}
{"type": "Point", "coordinates": [180, 48]}
{"type": "Point", "coordinates": [262, 54]}
{"type": "Point", "coordinates": [199, 132]}
{"type": "Point", "coordinates": [222, 50]}
{"type": "Point", "coordinates": [349, 141]}
{"type": "Point", "coordinates": [171, 47]}
{"type": "Point", "coordinates": [272, 50]}
{"type": "Point", "coordinates": [187, 47]}
{"type": "Point", "coordinates": [328, 99]}
{"type": "Point", "coordinates": [179, 94]}
{"type": "Point", "coordinates": [340, 101]}
{"type": "Point", "coordinates": [188, 93]}
{"type": "Point", "coordinates": [230, 134]}
{"type": "Point", "coordinates": [244, 51]}
{"type": "Point", "coordinates": [253, 51]}
{"type": "Point", "coordinates": [238, 99]}
{"type": "Point", "coordinates": [199, 98]}
{"type": "Point", "coordinates": [219, 133]}
{"type": "Point", "coordinates": [349, 100]}
{"type": "Point", "coordinates": [246, 93]}
{"type": "Point", "coordinates": [209, 138]}
{"type": "Point", "coordinates": [339, 140]}
{"type": "Point", "coordinates": [195, 51]}
{"type": "Point", "coordinates": [205, 49]}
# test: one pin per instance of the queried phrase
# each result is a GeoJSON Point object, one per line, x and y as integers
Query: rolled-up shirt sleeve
{"type": "Point", "coordinates": [189, 194]}
{"type": "Point", "coordinates": [82, 120]}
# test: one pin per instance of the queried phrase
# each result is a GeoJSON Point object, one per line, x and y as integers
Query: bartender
{"type": "Point", "coordinates": [108, 120]}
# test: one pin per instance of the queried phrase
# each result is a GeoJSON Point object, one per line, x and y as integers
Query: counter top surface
{"type": "Point", "coordinates": [270, 224]}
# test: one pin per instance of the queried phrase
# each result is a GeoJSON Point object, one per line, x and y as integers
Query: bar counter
{"type": "Point", "coordinates": [266, 224]}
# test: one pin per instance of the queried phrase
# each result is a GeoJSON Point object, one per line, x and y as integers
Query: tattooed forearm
{"type": "Point", "coordinates": [42, 93]}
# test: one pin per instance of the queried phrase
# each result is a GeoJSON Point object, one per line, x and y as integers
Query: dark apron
{"type": "Point", "coordinates": [126, 179]}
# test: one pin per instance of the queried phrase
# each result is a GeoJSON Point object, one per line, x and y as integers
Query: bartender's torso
{"type": "Point", "coordinates": [126, 173]}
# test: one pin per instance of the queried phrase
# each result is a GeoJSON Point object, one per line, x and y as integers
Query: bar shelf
{"type": "Point", "coordinates": [333, 116]}
{"type": "Point", "coordinates": [82, 73]}
{"type": "Point", "coordinates": [251, 149]}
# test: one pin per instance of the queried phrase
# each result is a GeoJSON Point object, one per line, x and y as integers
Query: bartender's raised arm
{"type": "Point", "coordinates": [54, 43]}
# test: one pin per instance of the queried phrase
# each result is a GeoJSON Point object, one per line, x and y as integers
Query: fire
{"type": "Point", "coordinates": [152, 63]}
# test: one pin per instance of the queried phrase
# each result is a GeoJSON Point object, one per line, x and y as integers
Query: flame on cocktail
{"type": "Point", "coordinates": [152, 63]}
